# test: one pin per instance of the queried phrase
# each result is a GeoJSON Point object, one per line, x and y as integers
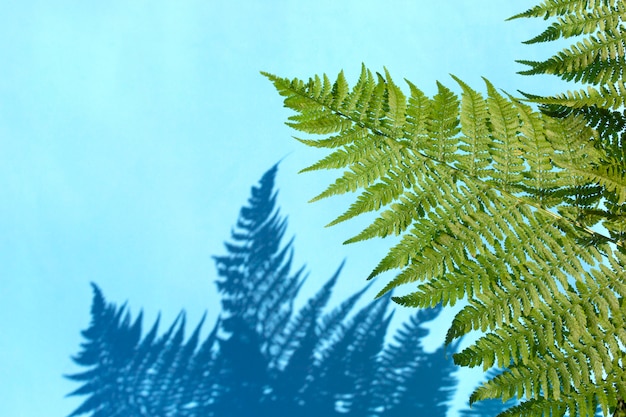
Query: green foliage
{"type": "Point", "coordinates": [519, 212]}
{"type": "Point", "coordinates": [488, 408]}
{"type": "Point", "coordinates": [596, 59]}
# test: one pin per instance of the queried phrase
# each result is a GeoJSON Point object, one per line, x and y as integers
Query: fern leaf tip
{"type": "Point", "coordinates": [269, 75]}
{"type": "Point", "coordinates": [373, 275]}
{"type": "Point", "coordinates": [353, 239]}
{"type": "Point", "coordinates": [336, 221]}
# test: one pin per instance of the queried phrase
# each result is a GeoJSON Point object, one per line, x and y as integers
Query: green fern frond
{"type": "Point", "coordinates": [611, 177]}
{"type": "Point", "coordinates": [577, 357]}
{"type": "Point", "coordinates": [363, 173]}
{"type": "Point", "coordinates": [418, 112]}
{"type": "Point", "coordinates": [382, 193]}
{"type": "Point", "coordinates": [475, 187]}
{"type": "Point", "coordinates": [474, 154]}
{"type": "Point", "coordinates": [608, 96]}
{"type": "Point", "coordinates": [552, 8]}
{"type": "Point", "coordinates": [593, 59]}
{"type": "Point", "coordinates": [348, 156]}
{"type": "Point", "coordinates": [442, 126]}
{"type": "Point", "coordinates": [520, 213]}
{"type": "Point", "coordinates": [597, 59]}
{"type": "Point", "coordinates": [397, 107]}
{"type": "Point", "coordinates": [505, 146]}
{"type": "Point", "coordinates": [344, 138]}
{"type": "Point", "coordinates": [607, 123]}
{"type": "Point", "coordinates": [575, 23]}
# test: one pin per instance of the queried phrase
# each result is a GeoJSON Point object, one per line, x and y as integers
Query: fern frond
{"type": "Point", "coordinates": [611, 177]}
{"type": "Point", "coordinates": [397, 107]}
{"type": "Point", "coordinates": [442, 126]}
{"type": "Point", "coordinates": [505, 147]}
{"type": "Point", "coordinates": [594, 59]}
{"type": "Point", "coordinates": [382, 193]}
{"type": "Point", "coordinates": [349, 155]}
{"type": "Point", "coordinates": [480, 191]}
{"type": "Point", "coordinates": [363, 173]}
{"type": "Point", "coordinates": [417, 113]}
{"type": "Point", "coordinates": [597, 59]}
{"type": "Point", "coordinates": [474, 154]}
{"type": "Point", "coordinates": [345, 138]}
{"type": "Point", "coordinates": [575, 23]}
{"type": "Point", "coordinates": [552, 8]}
{"type": "Point", "coordinates": [609, 96]}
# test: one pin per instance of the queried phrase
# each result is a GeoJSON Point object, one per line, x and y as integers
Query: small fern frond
{"type": "Point", "coordinates": [344, 138]}
{"type": "Point", "coordinates": [505, 146]}
{"type": "Point", "coordinates": [474, 155]}
{"type": "Point", "coordinates": [349, 155]}
{"type": "Point", "coordinates": [611, 177]}
{"type": "Point", "coordinates": [417, 113]}
{"type": "Point", "coordinates": [552, 8]}
{"type": "Point", "coordinates": [597, 57]}
{"type": "Point", "coordinates": [397, 107]}
{"type": "Point", "coordinates": [608, 96]}
{"type": "Point", "coordinates": [363, 173]}
{"type": "Point", "coordinates": [442, 126]}
{"type": "Point", "coordinates": [602, 17]}
{"type": "Point", "coordinates": [380, 194]}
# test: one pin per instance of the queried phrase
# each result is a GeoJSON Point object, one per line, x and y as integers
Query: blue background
{"type": "Point", "coordinates": [131, 132]}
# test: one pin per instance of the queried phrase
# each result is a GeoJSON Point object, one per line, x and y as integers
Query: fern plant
{"type": "Point", "coordinates": [519, 212]}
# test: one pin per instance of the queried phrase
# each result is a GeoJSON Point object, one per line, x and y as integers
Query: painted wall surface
{"type": "Point", "coordinates": [131, 132]}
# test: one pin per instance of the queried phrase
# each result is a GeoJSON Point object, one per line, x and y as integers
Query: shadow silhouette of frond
{"type": "Point", "coordinates": [261, 357]}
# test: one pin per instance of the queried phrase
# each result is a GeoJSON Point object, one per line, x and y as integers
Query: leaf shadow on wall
{"type": "Point", "coordinates": [263, 358]}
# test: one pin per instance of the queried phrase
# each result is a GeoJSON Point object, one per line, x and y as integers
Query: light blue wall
{"type": "Point", "coordinates": [131, 131]}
